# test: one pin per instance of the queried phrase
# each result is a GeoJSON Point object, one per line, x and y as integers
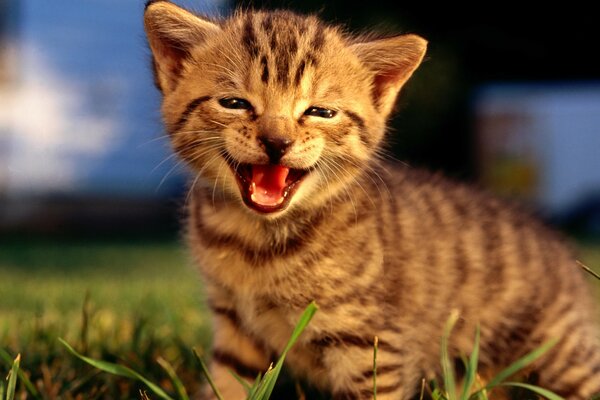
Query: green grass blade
{"type": "Point", "coordinates": [305, 318]}
{"type": "Point", "coordinates": [267, 384]}
{"type": "Point", "coordinates": [12, 379]}
{"type": "Point", "coordinates": [242, 382]}
{"type": "Point", "coordinates": [538, 390]}
{"type": "Point", "coordinates": [438, 395]}
{"type": "Point", "coordinates": [375, 345]}
{"type": "Point", "coordinates": [520, 364]}
{"type": "Point", "coordinates": [206, 374]}
{"type": "Point", "coordinates": [447, 368]}
{"type": "Point", "coordinates": [4, 356]}
{"type": "Point", "coordinates": [179, 388]}
{"type": "Point", "coordinates": [255, 386]}
{"type": "Point", "coordinates": [2, 390]}
{"type": "Point", "coordinates": [471, 367]}
{"type": "Point", "coordinates": [117, 369]}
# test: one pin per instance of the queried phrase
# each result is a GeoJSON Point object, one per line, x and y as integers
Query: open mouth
{"type": "Point", "coordinates": [267, 188]}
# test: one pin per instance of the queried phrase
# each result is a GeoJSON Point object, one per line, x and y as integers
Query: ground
{"type": "Point", "coordinates": [126, 300]}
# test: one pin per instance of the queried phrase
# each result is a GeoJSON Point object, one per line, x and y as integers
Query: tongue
{"type": "Point", "coordinates": [268, 184]}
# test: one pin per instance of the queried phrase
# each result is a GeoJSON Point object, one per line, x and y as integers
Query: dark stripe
{"type": "Point", "coordinates": [513, 331]}
{"type": "Point", "coordinates": [229, 360]}
{"type": "Point", "coordinates": [267, 22]}
{"type": "Point", "coordinates": [258, 256]}
{"type": "Point", "coordinates": [566, 361]}
{"type": "Point", "coordinates": [228, 313]}
{"type": "Point", "coordinates": [292, 45]}
{"type": "Point", "coordinates": [319, 39]}
{"type": "Point", "coordinates": [573, 387]}
{"type": "Point", "coordinates": [283, 67]}
{"type": "Point", "coordinates": [360, 123]}
{"type": "Point", "coordinates": [299, 73]}
{"type": "Point", "coordinates": [265, 69]}
{"type": "Point", "coordinates": [383, 389]}
{"type": "Point", "coordinates": [155, 74]}
{"type": "Point", "coordinates": [357, 119]}
{"type": "Point", "coordinates": [494, 276]}
{"type": "Point", "coordinates": [347, 339]}
{"type": "Point", "coordinates": [249, 38]}
{"type": "Point", "coordinates": [461, 261]}
{"type": "Point", "coordinates": [311, 59]}
{"type": "Point", "coordinates": [346, 396]}
{"type": "Point", "coordinates": [381, 370]}
{"type": "Point", "coordinates": [188, 110]}
{"type": "Point", "coordinates": [273, 40]}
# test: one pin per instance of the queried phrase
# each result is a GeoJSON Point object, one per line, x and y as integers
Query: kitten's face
{"type": "Point", "coordinates": [274, 109]}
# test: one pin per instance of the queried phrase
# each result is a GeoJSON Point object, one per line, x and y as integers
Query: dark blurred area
{"type": "Point", "coordinates": [509, 97]}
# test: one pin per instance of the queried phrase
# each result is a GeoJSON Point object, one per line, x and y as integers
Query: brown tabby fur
{"type": "Point", "coordinates": [385, 251]}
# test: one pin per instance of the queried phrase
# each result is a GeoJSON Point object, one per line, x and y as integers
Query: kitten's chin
{"type": "Point", "coordinates": [267, 188]}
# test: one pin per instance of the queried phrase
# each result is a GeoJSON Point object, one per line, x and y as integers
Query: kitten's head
{"type": "Point", "coordinates": [273, 108]}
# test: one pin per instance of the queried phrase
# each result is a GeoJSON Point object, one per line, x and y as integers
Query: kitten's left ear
{"type": "Point", "coordinates": [392, 60]}
{"type": "Point", "coordinates": [172, 33]}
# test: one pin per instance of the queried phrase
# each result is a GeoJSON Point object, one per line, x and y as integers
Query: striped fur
{"type": "Point", "coordinates": [384, 250]}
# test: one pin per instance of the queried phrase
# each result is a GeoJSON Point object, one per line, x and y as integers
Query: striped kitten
{"type": "Point", "coordinates": [281, 117]}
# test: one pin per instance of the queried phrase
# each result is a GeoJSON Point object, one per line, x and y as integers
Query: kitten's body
{"type": "Point", "coordinates": [282, 105]}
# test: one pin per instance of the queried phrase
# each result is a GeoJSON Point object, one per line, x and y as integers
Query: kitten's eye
{"type": "Point", "coordinates": [235, 103]}
{"type": "Point", "coordinates": [320, 112]}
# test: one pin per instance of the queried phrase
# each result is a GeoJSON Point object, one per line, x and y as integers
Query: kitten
{"type": "Point", "coordinates": [281, 117]}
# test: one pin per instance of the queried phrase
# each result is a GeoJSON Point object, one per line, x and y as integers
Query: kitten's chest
{"type": "Point", "coordinates": [288, 263]}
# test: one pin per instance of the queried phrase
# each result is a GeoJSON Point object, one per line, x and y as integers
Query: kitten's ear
{"type": "Point", "coordinates": [172, 33]}
{"type": "Point", "coordinates": [392, 60]}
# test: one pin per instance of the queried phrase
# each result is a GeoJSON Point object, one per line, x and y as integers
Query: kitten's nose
{"type": "Point", "coordinates": [275, 146]}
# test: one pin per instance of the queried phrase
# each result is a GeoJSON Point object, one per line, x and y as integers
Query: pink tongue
{"type": "Point", "coordinates": [268, 183]}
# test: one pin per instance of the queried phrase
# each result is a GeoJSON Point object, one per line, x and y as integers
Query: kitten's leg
{"type": "Point", "coordinates": [233, 350]}
{"type": "Point", "coordinates": [349, 362]}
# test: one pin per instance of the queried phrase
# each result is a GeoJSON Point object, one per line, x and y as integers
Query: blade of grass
{"type": "Point", "coordinates": [22, 376]}
{"type": "Point", "coordinates": [538, 390]}
{"type": "Point", "coordinates": [117, 369]}
{"type": "Point", "coordinates": [447, 368]}
{"type": "Point", "coordinates": [206, 374]}
{"type": "Point", "coordinates": [242, 381]}
{"type": "Point", "coordinates": [588, 269]}
{"type": "Point", "coordinates": [520, 364]}
{"type": "Point", "coordinates": [481, 393]}
{"type": "Point", "coordinates": [179, 388]}
{"type": "Point", "coordinates": [438, 395]}
{"type": "Point", "coordinates": [422, 389]}
{"type": "Point", "coordinates": [12, 379]}
{"type": "Point", "coordinates": [266, 385]}
{"type": "Point", "coordinates": [254, 387]}
{"type": "Point", "coordinates": [375, 344]}
{"type": "Point", "coordinates": [471, 371]}
{"type": "Point", "coordinates": [2, 390]}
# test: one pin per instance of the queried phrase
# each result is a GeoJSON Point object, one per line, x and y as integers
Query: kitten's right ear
{"type": "Point", "coordinates": [172, 33]}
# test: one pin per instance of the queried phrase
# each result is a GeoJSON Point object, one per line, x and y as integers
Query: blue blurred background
{"type": "Point", "coordinates": [505, 98]}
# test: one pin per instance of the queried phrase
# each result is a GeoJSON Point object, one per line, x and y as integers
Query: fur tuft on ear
{"type": "Point", "coordinates": [392, 60]}
{"type": "Point", "coordinates": [172, 33]}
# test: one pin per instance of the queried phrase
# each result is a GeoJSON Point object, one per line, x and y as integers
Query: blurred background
{"type": "Point", "coordinates": [508, 98]}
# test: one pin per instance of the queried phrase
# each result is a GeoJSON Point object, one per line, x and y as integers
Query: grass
{"type": "Point", "coordinates": [123, 302]}
{"type": "Point", "coordinates": [143, 302]}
